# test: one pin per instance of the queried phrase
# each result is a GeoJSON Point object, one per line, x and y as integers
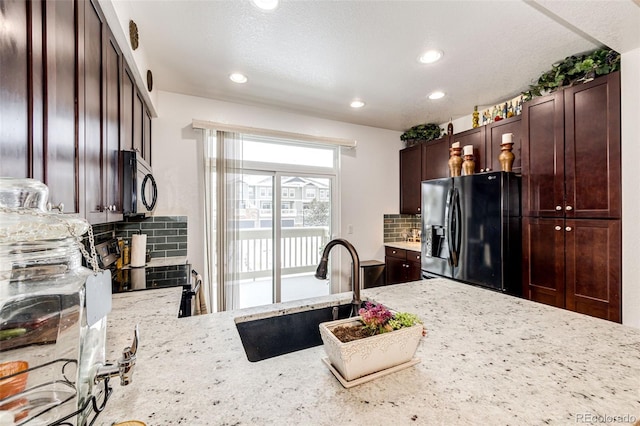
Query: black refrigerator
{"type": "Point", "coordinates": [471, 230]}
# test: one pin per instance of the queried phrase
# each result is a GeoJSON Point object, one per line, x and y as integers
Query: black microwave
{"type": "Point", "coordinates": [139, 189]}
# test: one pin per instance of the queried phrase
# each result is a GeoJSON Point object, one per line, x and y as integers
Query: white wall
{"type": "Point", "coordinates": [630, 86]}
{"type": "Point", "coordinates": [369, 173]}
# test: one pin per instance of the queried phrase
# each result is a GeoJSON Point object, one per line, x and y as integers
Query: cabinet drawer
{"type": "Point", "coordinates": [395, 252]}
{"type": "Point", "coordinates": [413, 256]}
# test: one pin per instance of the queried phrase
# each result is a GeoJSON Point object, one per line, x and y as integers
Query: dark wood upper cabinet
{"type": "Point", "coordinates": [571, 152]}
{"type": "Point", "coordinates": [14, 91]}
{"type": "Point", "coordinates": [112, 67]}
{"type": "Point", "coordinates": [543, 156]}
{"type": "Point", "coordinates": [128, 91]}
{"type": "Point", "coordinates": [101, 121]}
{"type": "Point", "coordinates": [138, 113]}
{"type": "Point", "coordinates": [475, 137]}
{"type": "Point", "coordinates": [61, 162]}
{"type": "Point", "coordinates": [410, 178]}
{"type": "Point", "coordinates": [435, 159]}
{"type": "Point", "coordinates": [64, 95]}
{"type": "Point", "coordinates": [424, 161]}
{"type": "Point", "coordinates": [494, 132]}
{"type": "Point", "coordinates": [93, 100]}
{"type": "Point", "coordinates": [592, 149]}
{"type": "Point", "coordinates": [146, 136]}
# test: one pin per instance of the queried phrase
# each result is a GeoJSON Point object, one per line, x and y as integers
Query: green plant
{"type": "Point", "coordinates": [429, 132]}
{"type": "Point", "coordinates": [575, 69]}
{"type": "Point", "coordinates": [404, 319]}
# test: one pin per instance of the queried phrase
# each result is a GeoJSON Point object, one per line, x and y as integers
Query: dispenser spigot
{"type": "Point", "coordinates": [124, 366]}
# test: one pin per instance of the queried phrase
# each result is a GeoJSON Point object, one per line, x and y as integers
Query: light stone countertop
{"type": "Point", "coordinates": [488, 359]}
{"type": "Point", "coordinates": [411, 246]}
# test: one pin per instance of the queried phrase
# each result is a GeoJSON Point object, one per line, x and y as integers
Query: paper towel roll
{"type": "Point", "coordinates": [138, 250]}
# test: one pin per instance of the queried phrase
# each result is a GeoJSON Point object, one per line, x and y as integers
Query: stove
{"type": "Point", "coordinates": [151, 277]}
{"type": "Point", "coordinates": [159, 273]}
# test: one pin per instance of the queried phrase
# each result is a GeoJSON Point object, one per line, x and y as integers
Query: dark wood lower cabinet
{"type": "Point", "coordinates": [401, 265]}
{"type": "Point", "coordinates": [574, 264]}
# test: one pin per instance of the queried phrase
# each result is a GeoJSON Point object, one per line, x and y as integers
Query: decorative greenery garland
{"type": "Point", "coordinates": [573, 70]}
{"type": "Point", "coordinates": [427, 132]}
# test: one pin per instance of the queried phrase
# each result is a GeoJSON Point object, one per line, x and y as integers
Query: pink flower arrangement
{"type": "Point", "coordinates": [376, 318]}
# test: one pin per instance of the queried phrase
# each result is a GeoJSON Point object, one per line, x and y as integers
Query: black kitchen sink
{"type": "Point", "coordinates": [282, 334]}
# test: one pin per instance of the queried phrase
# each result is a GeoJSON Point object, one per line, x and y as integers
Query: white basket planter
{"type": "Point", "coordinates": [372, 354]}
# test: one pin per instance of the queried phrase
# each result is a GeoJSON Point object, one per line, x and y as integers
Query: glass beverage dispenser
{"type": "Point", "coordinates": [52, 315]}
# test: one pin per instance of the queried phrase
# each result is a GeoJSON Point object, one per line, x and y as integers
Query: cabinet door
{"type": "Point", "coordinates": [592, 156]}
{"type": "Point", "coordinates": [475, 137]}
{"type": "Point", "coordinates": [410, 178]}
{"type": "Point", "coordinates": [138, 112]}
{"type": "Point", "coordinates": [413, 266]}
{"type": "Point", "coordinates": [128, 94]}
{"type": "Point", "coordinates": [14, 91]}
{"type": "Point", "coordinates": [395, 269]}
{"type": "Point", "coordinates": [593, 250]}
{"type": "Point", "coordinates": [543, 156]}
{"type": "Point", "coordinates": [494, 134]}
{"type": "Point", "coordinates": [112, 68]}
{"type": "Point", "coordinates": [543, 260]}
{"type": "Point", "coordinates": [435, 159]}
{"type": "Point", "coordinates": [414, 271]}
{"type": "Point", "coordinates": [146, 139]}
{"type": "Point", "coordinates": [60, 118]}
{"type": "Point", "coordinates": [93, 100]}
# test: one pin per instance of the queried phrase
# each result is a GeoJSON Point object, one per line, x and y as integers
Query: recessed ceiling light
{"type": "Point", "coordinates": [236, 77]}
{"type": "Point", "coordinates": [266, 4]}
{"type": "Point", "coordinates": [436, 95]}
{"type": "Point", "coordinates": [357, 104]}
{"type": "Point", "coordinates": [430, 56]}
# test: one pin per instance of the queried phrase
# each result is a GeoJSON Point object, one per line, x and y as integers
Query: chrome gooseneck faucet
{"type": "Point", "coordinates": [321, 272]}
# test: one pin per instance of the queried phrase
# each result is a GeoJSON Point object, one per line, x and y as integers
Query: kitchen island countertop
{"type": "Point", "coordinates": [488, 358]}
{"type": "Point", "coordinates": [405, 245]}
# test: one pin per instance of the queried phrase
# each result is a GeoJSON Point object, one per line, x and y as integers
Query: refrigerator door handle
{"type": "Point", "coordinates": [457, 243]}
{"type": "Point", "coordinates": [450, 207]}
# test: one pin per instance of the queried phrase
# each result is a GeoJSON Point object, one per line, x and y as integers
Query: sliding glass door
{"type": "Point", "coordinates": [305, 227]}
{"type": "Point", "coordinates": [280, 248]}
{"type": "Point", "coordinates": [282, 200]}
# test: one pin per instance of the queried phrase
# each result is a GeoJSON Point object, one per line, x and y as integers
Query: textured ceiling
{"type": "Point", "coordinates": [314, 57]}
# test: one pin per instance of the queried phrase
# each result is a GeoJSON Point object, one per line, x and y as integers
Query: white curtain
{"type": "Point", "coordinates": [223, 186]}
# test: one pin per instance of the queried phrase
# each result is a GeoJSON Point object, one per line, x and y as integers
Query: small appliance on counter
{"type": "Point", "coordinates": [52, 315]}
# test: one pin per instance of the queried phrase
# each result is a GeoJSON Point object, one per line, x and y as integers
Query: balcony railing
{"type": "Point", "coordinates": [300, 250]}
